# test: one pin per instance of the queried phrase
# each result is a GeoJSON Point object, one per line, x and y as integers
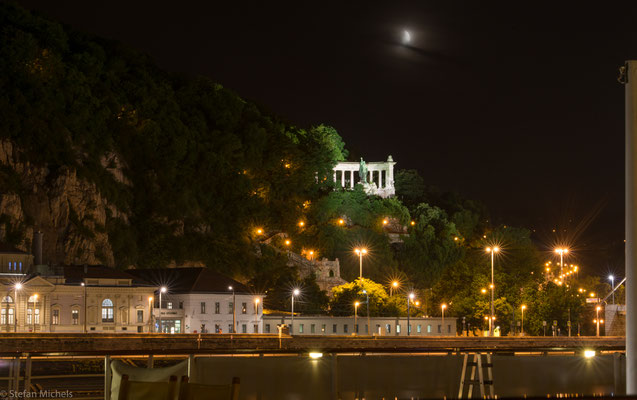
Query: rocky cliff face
{"type": "Point", "coordinates": [69, 211]}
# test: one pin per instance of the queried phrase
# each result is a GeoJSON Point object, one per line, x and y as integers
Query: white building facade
{"type": "Point", "coordinates": [199, 300]}
{"type": "Point", "coordinates": [381, 326]}
{"type": "Point", "coordinates": [78, 299]}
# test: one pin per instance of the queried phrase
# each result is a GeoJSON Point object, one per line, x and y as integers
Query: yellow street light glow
{"type": "Point", "coordinates": [296, 292]}
{"type": "Point", "coordinates": [496, 249]}
{"type": "Point", "coordinates": [411, 296]}
{"type": "Point", "coordinates": [311, 252]}
{"type": "Point", "coordinates": [287, 242]}
{"type": "Point", "coordinates": [488, 249]}
{"type": "Point", "coordinates": [443, 306]}
{"type": "Point", "coordinates": [256, 301]}
{"type": "Point", "coordinates": [150, 298]}
{"type": "Point", "coordinates": [523, 307]}
{"type": "Point", "coordinates": [259, 231]}
{"type": "Point", "coordinates": [341, 221]}
{"type": "Point", "coordinates": [491, 286]}
{"type": "Point", "coordinates": [18, 286]}
{"type": "Point", "coordinates": [356, 304]}
{"type": "Point", "coordinates": [589, 353]}
{"type": "Point", "coordinates": [598, 308]}
{"type": "Point", "coordinates": [413, 223]}
{"type": "Point", "coordinates": [394, 284]}
{"type": "Point", "coordinates": [417, 303]}
{"type": "Point", "coordinates": [455, 238]}
{"type": "Point", "coordinates": [591, 294]}
{"type": "Point", "coordinates": [301, 224]}
{"type": "Point", "coordinates": [360, 251]}
{"type": "Point", "coordinates": [484, 290]}
{"type": "Point", "coordinates": [385, 221]}
{"type": "Point", "coordinates": [314, 355]}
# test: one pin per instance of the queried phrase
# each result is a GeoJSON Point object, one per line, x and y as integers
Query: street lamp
{"type": "Point", "coordinates": [84, 316]}
{"type": "Point", "coordinates": [367, 295]}
{"type": "Point", "coordinates": [295, 292]}
{"type": "Point", "coordinates": [522, 330]}
{"type": "Point", "coordinates": [162, 289]}
{"type": "Point", "coordinates": [409, 299]}
{"type": "Point", "coordinates": [394, 285]}
{"type": "Point", "coordinates": [561, 252]}
{"type": "Point", "coordinates": [18, 286]}
{"type": "Point", "coordinates": [597, 320]}
{"type": "Point", "coordinates": [443, 317]}
{"type": "Point", "coordinates": [361, 253]}
{"type": "Point", "coordinates": [35, 305]}
{"type": "Point", "coordinates": [150, 314]}
{"type": "Point", "coordinates": [612, 285]}
{"type": "Point", "coordinates": [492, 251]}
{"type": "Point", "coordinates": [256, 315]}
{"type": "Point", "coordinates": [356, 304]}
{"type": "Point", "coordinates": [234, 311]}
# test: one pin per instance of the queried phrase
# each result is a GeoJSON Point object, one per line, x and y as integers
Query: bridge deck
{"type": "Point", "coordinates": [122, 344]}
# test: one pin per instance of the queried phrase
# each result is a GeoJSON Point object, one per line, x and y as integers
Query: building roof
{"type": "Point", "coordinates": [7, 248]}
{"type": "Point", "coordinates": [75, 274]}
{"type": "Point", "coordinates": [189, 280]}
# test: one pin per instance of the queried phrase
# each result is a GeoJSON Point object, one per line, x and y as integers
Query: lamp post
{"type": "Point", "coordinates": [409, 299]}
{"type": "Point", "coordinates": [561, 252]}
{"type": "Point", "coordinates": [234, 311]}
{"type": "Point", "coordinates": [161, 290]}
{"type": "Point", "coordinates": [367, 295]}
{"type": "Point", "coordinates": [295, 292]}
{"type": "Point", "coordinates": [84, 296]}
{"type": "Point", "coordinates": [18, 286]}
{"type": "Point", "coordinates": [256, 315]}
{"type": "Point", "coordinates": [35, 304]}
{"type": "Point", "coordinates": [394, 285]}
{"type": "Point", "coordinates": [150, 314]}
{"type": "Point", "coordinates": [443, 306]}
{"type": "Point", "coordinates": [361, 252]}
{"type": "Point", "coordinates": [612, 285]}
{"type": "Point", "coordinates": [492, 251]}
{"type": "Point", "coordinates": [356, 304]}
{"type": "Point", "coordinates": [597, 321]}
{"type": "Point", "coordinates": [522, 329]}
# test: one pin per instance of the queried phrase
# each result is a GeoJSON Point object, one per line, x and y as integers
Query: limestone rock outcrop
{"type": "Point", "coordinates": [69, 210]}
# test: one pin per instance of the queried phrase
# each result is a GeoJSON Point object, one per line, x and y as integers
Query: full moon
{"type": "Point", "coordinates": [406, 37]}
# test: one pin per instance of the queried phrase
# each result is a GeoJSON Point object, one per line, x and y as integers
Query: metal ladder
{"type": "Point", "coordinates": [479, 365]}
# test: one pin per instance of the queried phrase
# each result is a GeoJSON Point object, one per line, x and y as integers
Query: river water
{"type": "Point", "coordinates": [350, 377]}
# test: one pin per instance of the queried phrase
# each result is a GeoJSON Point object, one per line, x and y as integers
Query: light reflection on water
{"type": "Point", "coordinates": [358, 377]}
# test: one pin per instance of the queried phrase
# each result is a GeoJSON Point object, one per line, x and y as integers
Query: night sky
{"type": "Point", "coordinates": [519, 108]}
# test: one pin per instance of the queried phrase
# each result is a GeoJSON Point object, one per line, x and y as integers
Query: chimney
{"type": "Point", "coordinates": [37, 247]}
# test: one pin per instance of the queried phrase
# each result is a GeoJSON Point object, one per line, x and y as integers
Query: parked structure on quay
{"type": "Point", "coordinates": [381, 326]}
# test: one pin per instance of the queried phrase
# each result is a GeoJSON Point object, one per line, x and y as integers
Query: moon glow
{"type": "Point", "coordinates": [406, 37]}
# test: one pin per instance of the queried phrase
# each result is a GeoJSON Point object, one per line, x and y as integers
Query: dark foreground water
{"type": "Point", "coordinates": [410, 376]}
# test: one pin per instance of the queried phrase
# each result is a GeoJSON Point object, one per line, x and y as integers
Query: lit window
{"type": "Point", "coordinates": [217, 308]}
{"type": "Point", "coordinates": [244, 308]}
{"type": "Point", "coordinates": [55, 317]}
{"type": "Point", "coordinates": [140, 316]}
{"type": "Point", "coordinates": [3, 316]}
{"type": "Point", "coordinates": [169, 305]}
{"type": "Point", "coordinates": [107, 311]}
{"type": "Point", "coordinates": [300, 328]}
{"type": "Point", "coordinates": [75, 314]}
{"type": "Point", "coordinates": [203, 307]}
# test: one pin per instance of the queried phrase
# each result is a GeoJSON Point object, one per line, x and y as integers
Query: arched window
{"type": "Point", "coordinates": [107, 311]}
{"type": "Point", "coordinates": [331, 273]}
{"type": "Point", "coordinates": [7, 299]}
{"type": "Point", "coordinates": [33, 299]}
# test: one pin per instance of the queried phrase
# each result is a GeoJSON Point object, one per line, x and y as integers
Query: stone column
{"type": "Point", "coordinates": [391, 174]}
{"type": "Point", "coordinates": [351, 180]}
{"type": "Point", "coordinates": [342, 178]}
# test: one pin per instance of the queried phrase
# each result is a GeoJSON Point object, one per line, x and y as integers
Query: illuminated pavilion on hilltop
{"type": "Point", "coordinates": [378, 177]}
